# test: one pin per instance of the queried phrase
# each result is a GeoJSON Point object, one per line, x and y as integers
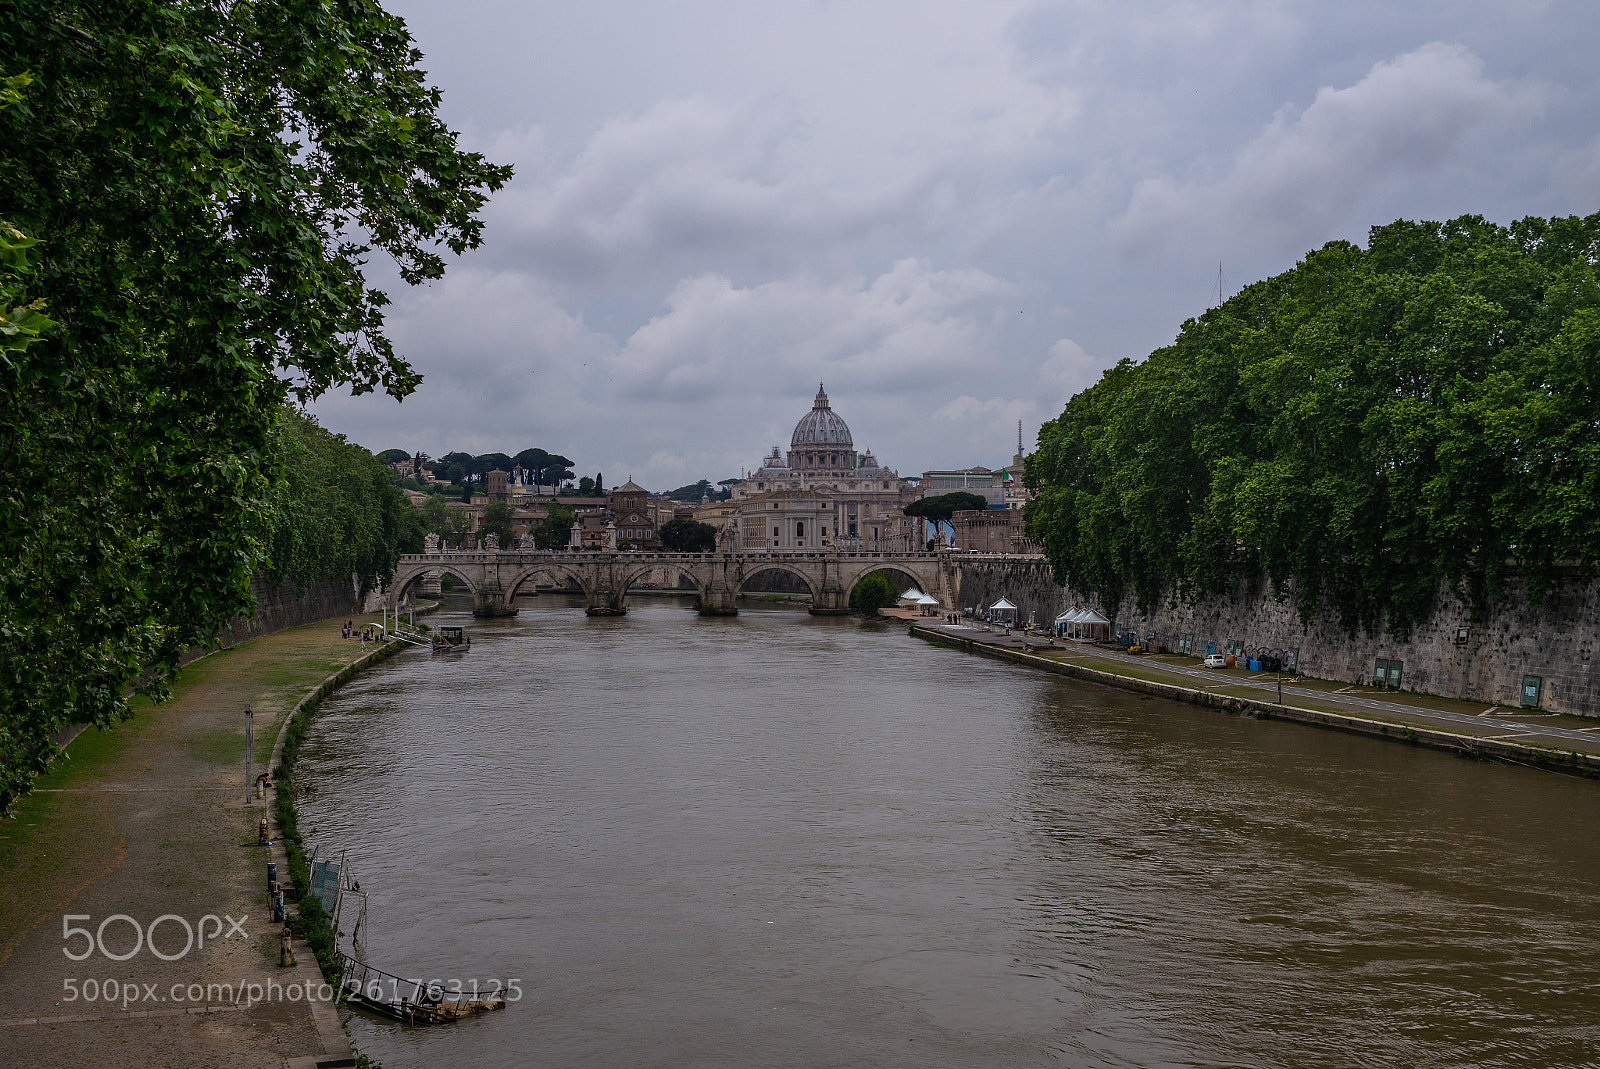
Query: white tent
{"type": "Point", "coordinates": [926, 600]}
{"type": "Point", "coordinates": [911, 597]}
{"type": "Point", "coordinates": [1071, 616]}
{"type": "Point", "coordinates": [1002, 604]}
{"type": "Point", "coordinates": [1092, 617]}
{"type": "Point", "coordinates": [1004, 611]}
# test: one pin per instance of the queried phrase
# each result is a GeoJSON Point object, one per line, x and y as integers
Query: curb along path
{"type": "Point", "coordinates": [1554, 749]}
{"type": "Point", "coordinates": [143, 840]}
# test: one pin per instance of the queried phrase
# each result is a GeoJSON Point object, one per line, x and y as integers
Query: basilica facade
{"type": "Point", "coordinates": [823, 493]}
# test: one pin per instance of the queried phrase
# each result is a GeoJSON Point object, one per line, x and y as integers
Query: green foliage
{"type": "Point", "coordinates": [333, 512]}
{"type": "Point", "coordinates": [497, 521]}
{"type": "Point", "coordinates": [196, 186]}
{"type": "Point", "coordinates": [693, 492]}
{"type": "Point", "coordinates": [393, 456]}
{"type": "Point", "coordinates": [549, 469]}
{"type": "Point", "coordinates": [940, 509]}
{"type": "Point", "coordinates": [436, 516]}
{"type": "Point", "coordinates": [585, 486]}
{"type": "Point", "coordinates": [873, 592]}
{"type": "Point", "coordinates": [1357, 428]}
{"type": "Point", "coordinates": [555, 531]}
{"type": "Point", "coordinates": [684, 535]}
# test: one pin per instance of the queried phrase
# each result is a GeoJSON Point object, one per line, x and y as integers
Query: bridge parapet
{"type": "Point", "coordinates": [605, 577]}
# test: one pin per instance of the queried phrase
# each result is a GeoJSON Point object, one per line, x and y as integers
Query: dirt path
{"type": "Point", "coordinates": [148, 822]}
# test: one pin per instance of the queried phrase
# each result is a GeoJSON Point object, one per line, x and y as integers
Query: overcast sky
{"type": "Point", "coordinates": [955, 214]}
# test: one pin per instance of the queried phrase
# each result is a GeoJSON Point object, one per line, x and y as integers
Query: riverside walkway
{"type": "Point", "coordinates": [1518, 735]}
{"type": "Point", "coordinates": [147, 823]}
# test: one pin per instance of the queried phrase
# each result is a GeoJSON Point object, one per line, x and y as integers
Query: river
{"type": "Point", "coordinates": [782, 840]}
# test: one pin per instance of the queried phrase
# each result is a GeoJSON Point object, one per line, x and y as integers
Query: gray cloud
{"type": "Point", "coordinates": [954, 213]}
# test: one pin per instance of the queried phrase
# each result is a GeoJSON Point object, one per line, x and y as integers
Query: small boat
{"type": "Point", "coordinates": [451, 640]}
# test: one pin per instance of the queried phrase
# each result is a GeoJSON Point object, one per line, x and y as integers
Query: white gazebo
{"type": "Point", "coordinates": [928, 604]}
{"type": "Point", "coordinates": [1004, 612]}
{"type": "Point", "coordinates": [1083, 623]}
{"type": "Point", "coordinates": [911, 597]}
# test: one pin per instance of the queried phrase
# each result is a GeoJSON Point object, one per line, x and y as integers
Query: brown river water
{"type": "Point", "coordinates": [781, 840]}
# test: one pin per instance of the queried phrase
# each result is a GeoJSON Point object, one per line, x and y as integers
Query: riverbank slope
{"type": "Point", "coordinates": [148, 822]}
{"type": "Point", "coordinates": [1518, 736]}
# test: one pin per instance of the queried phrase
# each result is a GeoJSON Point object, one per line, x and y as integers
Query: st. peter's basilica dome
{"type": "Point", "coordinates": [820, 428]}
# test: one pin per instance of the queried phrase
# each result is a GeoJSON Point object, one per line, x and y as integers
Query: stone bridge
{"type": "Point", "coordinates": [495, 576]}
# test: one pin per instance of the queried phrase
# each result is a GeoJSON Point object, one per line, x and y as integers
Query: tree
{"type": "Point", "coordinates": [693, 492]}
{"type": "Point", "coordinates": [1360, 429]}
{"type": "Point", "coordinates": [555, 530]}
{"type": "Point", "coordinates": [203, 182]}
{"type": "Point", "coordinates": [436, 516]}
{"type": "Point", "coordinates": [873, 592]}
{"type": "Point", "coordinates": [940, 510]}
{"type": "Point", "coordinates": [727, 489]}
{"type": "Point", "coordinates": [532, 462]}
{"type": "Point", "coordinates": [599, 483]}
{"type": "Point", "coordinates": [333, 512]}
{"type": "Point", "coordinates": [684, 535]}
{"type": "Point", "coordinates": [556, 470]}
{"type": "Point", "coordinates": [460, 528]}
{"type": "Point", "coordinates": [393, 456]}
{"type": "Point", "coordinates": [586, 485]}
{"type": "Point", "coordinates": [497, 521]}
{"type": "Point", "coordinates": [488, 462]}
{"type": "Point", "coordinates": [453, 466]}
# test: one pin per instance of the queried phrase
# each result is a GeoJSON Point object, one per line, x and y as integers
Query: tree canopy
{"type": "Point", "coordinates": [684, 535]}
{"type": "Point", "coordinates": [1358, 428]}
{"type": "Point", "coordinates": [497, 521]}
{"type": "Point", "coordinates": [195, 186]}
{"type": "Point", "coordinates": [942, 508]}
{"type": "Point", "coordinates": [693, 492]}
{"type": "Point", "coordinates": [555, 530]}
{"type": "Point", "coordinates": [874, 591]}
{"type": "Point", "coordinates": [333, 512]}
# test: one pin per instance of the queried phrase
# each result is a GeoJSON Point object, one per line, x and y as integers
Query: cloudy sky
{"type": "Point", "coordinates": [957, 214]}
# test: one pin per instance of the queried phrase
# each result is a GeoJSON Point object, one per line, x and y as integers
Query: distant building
{"type": "Point", "coordinates": [992, 531]}
{"type": "Point", "coordinates": [634, 516]}
{"type": "Point", "coordinates": [860, 498]}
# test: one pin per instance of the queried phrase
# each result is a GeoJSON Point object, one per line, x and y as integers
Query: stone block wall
{"type": "Point", "coordinates": [1556, 639]}
{"type": "Point", "coordinates": [283, 605]}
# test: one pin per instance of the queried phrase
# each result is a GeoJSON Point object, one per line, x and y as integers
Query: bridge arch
{"type": "Point", "coordinates": [406, 578]}
{"type": "Point", "coordinates": [556, 571]}
{"type": "Point", "coordinates": [902, 579]}
{"type": "Point", "coordinates": [808, 581]}
{"type": "Point", "coordinates": [634, 573]}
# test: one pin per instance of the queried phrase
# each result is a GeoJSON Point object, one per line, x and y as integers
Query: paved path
{"type": "Point", "coordinates": [144, 822]}
{"type": "Point", "coordinates": [1568, 734]}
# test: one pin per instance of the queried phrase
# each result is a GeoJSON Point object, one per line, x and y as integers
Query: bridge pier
{"type": "Point", "coordinates": [830, 601]}
{"type": "Point", "coordinates": [490, 600]}
{"type": "Point", "coordinates": [606, 597]}
{"type": "Point", "coordinates": [718, 601]}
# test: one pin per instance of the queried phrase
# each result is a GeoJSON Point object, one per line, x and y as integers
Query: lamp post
{"type": "Point", "coordinates": [247, 747]}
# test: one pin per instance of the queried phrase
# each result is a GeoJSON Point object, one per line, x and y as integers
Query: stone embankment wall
{"type": "Point", "coordinates": [284, 605]}
{"type": "Point", "coordinates": [1556, 640]}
